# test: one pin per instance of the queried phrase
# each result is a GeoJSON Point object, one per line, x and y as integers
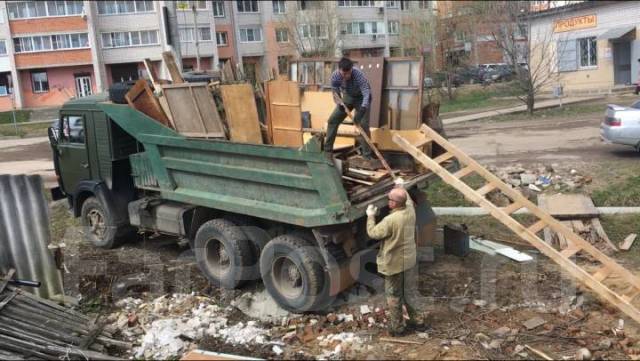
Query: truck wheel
{"type": "Point", "coordinates": [224, 254]}
{"type": "Point", "coordinates": [99, 221]}
{"type": "Point", "coordinates": [293, 274]}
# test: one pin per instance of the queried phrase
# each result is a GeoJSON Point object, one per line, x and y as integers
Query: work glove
{"type": "Point", "coordinates": [371, 210]}
{"type": "Point", "coordinates": [399, 182]}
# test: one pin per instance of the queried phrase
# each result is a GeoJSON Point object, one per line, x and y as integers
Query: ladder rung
{"type": "Point", "coordinates": [569, 252]}
{"type": "Point", "coordinates": [423, 142]}
{"type": "Point", "coordinates": [463, 172]}
{"type": "Point", "coordinates": [629, 298]}
{"type": "Point", "coordinates": [512, 207]}
{"type": "Point", "coordinates": [442, 157]}
{"type": "Point", "coordinates": [486, 189]}
{"type": "Point", "coordinates": [602, 273]}
{"type": "Point", "coordinates": [537, 227]}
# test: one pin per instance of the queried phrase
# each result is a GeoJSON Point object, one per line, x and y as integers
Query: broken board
{"type": "Point", "coordinates": [141, 98]}
{"type": "Point", "coordinates": [568, 206]}
{"type": "Point", "coordinates": [193, 110]}
{"type": "Point", "coordinates": [241, 113]}
{"type": "Point", "coordinates": [320, 105]}
{"type": "Point", "coordinates": [283, 107]}
{"type": "Point", "coordinates": [172, 67]}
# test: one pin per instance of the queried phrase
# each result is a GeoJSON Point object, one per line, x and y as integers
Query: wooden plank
{"type": "Point", "coordinates": [355, 180]}
{"type": "Point", "coordinates": [463, 172]}
{"type": "Point", "coordinates": [568, 206]}
{"type": "Point", "coordinates": [141, 98]}
{"type": "Point", "coordinates": [576, 271]}
{"type": "Point", "coordinates": [537, 227]}
{"type": "Point", "coordinates": [241, 113]}
{"type": "Point", "coordinates": [484, 189]}
{"type": "Point", "coordinates": [602, 273]}
{"type": "Point", "coordinates": [373, 69]}
{"type": "Point", "coordinates": [284, 109]}
{"type": "Point", "coordinates": [151, 72]}
{"type": "Point", "coordinates": [383, 138]}
{"type": "Point", "coordinates": [569, 252]}
{"type": "Point", "coordinates": [597, 226]}
{"type": "Point", "coordinates": [174, 71]}
{"type": "Point", "coordinates": [194, 111]}
{"type": "Point", "coordinates": [628, 242]}
{"type": "Point", "coordinates": [443, 157]}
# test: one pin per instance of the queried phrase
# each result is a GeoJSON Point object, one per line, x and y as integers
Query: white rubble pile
{"type": "Point", "coordinates": [338, 343]}
{"type": "Point", "coordinates": [538, 177]}
{"type": "Point", "coordinates": [169, 326]}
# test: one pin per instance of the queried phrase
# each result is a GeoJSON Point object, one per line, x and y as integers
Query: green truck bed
{"type": "Point", "coordinates": [294, 186]}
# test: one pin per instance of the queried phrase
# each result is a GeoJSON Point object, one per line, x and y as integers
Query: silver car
{"type": "Point", "coordinates": [621, 125]}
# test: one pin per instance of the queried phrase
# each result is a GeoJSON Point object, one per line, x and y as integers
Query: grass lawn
{"type": "Point", "coordinates": [470, 97]}
{"type": "Point", "coordinates": [21, 116]}
{"type": "Point", "coordinates": [571, 110]}
{"type": "Point", "coordinates": [24, 130]}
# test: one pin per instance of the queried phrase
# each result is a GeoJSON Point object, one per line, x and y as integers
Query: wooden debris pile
{"type": "Point", "coordinates": [35, 328]}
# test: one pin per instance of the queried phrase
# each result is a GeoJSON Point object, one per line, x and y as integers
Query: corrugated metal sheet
{"type": "Point", "coordinates": [24, 233]}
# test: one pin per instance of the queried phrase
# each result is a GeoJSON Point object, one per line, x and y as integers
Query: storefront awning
{"type": "Point", "coordinates": [616, 33]}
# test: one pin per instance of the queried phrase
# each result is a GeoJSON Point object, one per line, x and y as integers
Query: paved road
{"type": "Point", "coordinates": [27, 156]}
{"type": "Point", "coordinates": [521, 108]}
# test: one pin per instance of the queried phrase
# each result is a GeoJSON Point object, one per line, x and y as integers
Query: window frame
{"type": "Point", "coordinates": [222, 7]}
{"type": "Point", "coordinates": [190, 8]}
{"type": "Point", "coordinates": [245, 28]}
{"type": "Point", "coordinates": [6, 52]}
{"type": "Point", "coordinates": [389, 27]}
{"type": "Point", "coordinates": [356, 3]}
{"type": "Point", "coordinates": [129, 36]}
{"type": "Point", "coordinates": [46, 7]}
{"type": "Point", "coordinates": [308, 30]}
{"type": "Point", "coordinates": [52, 41]}
{"type": "Point", "coordinates": [226, 38]}
{"type": "Point", "coordinates": [592, 50]}
{"type": "Point", "coordinates": [135, 8]}
{"type": "Point", "coordinates": [66, 138]}
{"type": "Point", "coordinates": [33, 87]}
{"type": "Point", "coordinates": [280, 31]}
{"type": "Point", "coordinates": [243, 2]}
{"type": "Point", "coordinates": [282, 8]}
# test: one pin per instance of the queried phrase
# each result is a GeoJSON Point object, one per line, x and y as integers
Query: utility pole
{"type": "Point", "coordinates": [387, 51]}
{"type": "Point", "coordinates": [195, 36]}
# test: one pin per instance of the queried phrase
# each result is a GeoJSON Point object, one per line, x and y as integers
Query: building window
{"type": "Point", "coordinates": [391, 4]}
{"type": "Point", "coordinates": [218, 9]}
{"type": "Point", "coordinates": [278, 7]}
{"type": "Point", "coordinates": [282, 35]}
{"type": "Point", "coordinates": [30, 44]}
{"type": "Point", "coordinates": [221, 38]}
{"type": "Point", "coordinates": [109, 7]}
{"type": "Point", "coordinates": [38, 9]}
{"type": "Point", "coordinates": [283, 65]}
{"type": "Point", "coordinates": [129, 38]}
{"type": "Point", "coordinates": [314, 31]}
{"type": "Point", "coordinates": [394, 27]}
{"type": "Point", "coordinates": [404, 5]}
{"type": "Point", "coordinates": [250, 35]}
{"type": "Point", "coordinates": [5, 81]}
{"type": "Point", "coordinates": [588, 52]}
{"type": "Point", "coordinates": [73, 129]}
{"type": "Point", "coordinates": [363, 27]}
{"type": "Point", "coordinates": [424, 4]}
{"type": "Point", "coordinates": [3, 47]}
{"type": "Point", "coordinates": [460, 36]}
{"type": "Point", "coordinates": [247, 6]}
{"type": "Point", "coordinates": [186, 34]}
{"type": "Point", "coordinates": [39, 81]}
{"type": "Point", "coordinates": [356, 3]}
{"type": "Point", "coordinates": [188, 5]}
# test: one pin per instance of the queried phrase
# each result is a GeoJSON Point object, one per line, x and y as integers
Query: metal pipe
{"type": "Point", "coordinates": [477, 211]}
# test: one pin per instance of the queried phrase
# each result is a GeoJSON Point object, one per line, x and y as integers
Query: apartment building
{"type": "Point", "coordinates": [51, 51]}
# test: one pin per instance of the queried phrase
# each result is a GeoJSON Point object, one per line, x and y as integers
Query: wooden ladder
{"type": "Point", "coordinates": [607, 268]}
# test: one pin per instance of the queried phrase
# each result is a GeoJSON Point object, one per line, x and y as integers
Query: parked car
{"type": "Point", "coordinates": [621, 125]}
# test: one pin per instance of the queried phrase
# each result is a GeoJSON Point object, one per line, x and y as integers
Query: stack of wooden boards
{"type": "Point", "coordinates": [577, 212]}
{"type": "Point", "coordinates": [190, 108]}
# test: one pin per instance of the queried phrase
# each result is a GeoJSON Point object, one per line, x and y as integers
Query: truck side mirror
{"type": "Point", "coordinates": [54, 135]}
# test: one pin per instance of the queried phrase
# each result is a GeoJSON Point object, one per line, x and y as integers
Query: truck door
{"type": "Point", "coordinates": [72, 148]}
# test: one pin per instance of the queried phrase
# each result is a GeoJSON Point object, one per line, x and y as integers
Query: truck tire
{"type": "Point", "coordinates": [293, 273]}
{"type": "Point", "coordinates": [224, 254]}
{"type": "Point", "coordinates": [103, 233]}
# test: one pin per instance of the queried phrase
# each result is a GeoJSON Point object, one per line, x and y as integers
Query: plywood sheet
{"type": "Point", "coordinates": [285, 120]}
{"type": "Point", "coordinates": [193, 110]}
{"type": "Point", "coordinates": [320, 105]}
{"type": "Point", "coordinates": [241, 113]}
{"type": "Point", "coordinates": [141, 98]}
{"type": "Point", "coordinates": [373, 68]}
{"type": "Point", "coordinates": [383, 138]}
{"type": "Point", "coordinates": [174, 71]}
{"type": "Point", "coordinates": [568, 206]}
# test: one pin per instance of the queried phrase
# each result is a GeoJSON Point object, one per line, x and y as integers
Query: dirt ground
{"type": "Point", "coordinates": [476, 305]}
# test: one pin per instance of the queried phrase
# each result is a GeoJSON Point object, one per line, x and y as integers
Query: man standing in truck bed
{"type": "Point", "coordinates": [352, 86]}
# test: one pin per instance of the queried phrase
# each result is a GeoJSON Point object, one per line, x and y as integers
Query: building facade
{"type": "Point", "coordinates": [595, 46]}
{"type": "Point", "coordinates": [52, 51]}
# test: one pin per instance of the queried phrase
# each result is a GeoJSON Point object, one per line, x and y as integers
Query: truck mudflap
{"type": "Point", "coordinates": [57, 194]}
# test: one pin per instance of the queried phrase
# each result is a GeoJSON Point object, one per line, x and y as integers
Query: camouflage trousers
{"type": "Point", "coordinates": [401, 290]}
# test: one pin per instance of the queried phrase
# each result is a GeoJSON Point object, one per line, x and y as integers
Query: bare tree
{"type": "Point", "coordinates": [314, 29]}
{"type": "Point", "coordinates": [534, 55]}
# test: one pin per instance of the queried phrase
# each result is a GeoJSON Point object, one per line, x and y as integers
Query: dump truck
{"type": "Point", "coordinates": [249, 211]}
